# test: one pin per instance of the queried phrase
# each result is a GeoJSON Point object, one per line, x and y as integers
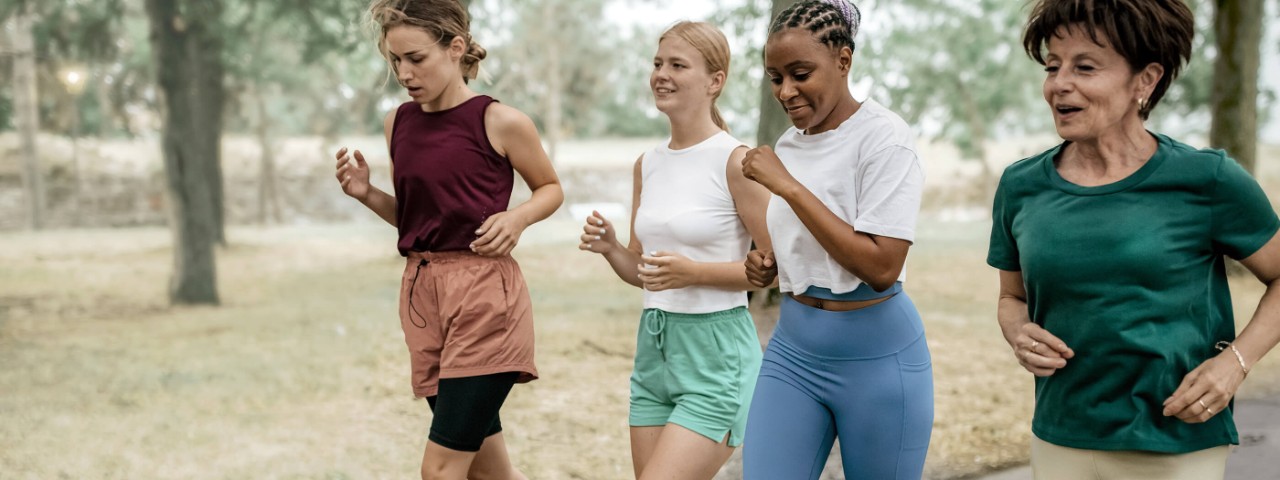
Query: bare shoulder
{"type": "Point", "coordinates": [504, 119]}
{"type": "Point", "coordinates": [737, 155]}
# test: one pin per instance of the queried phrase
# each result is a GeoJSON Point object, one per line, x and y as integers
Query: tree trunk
{"type": "Point", "coordinates": [205, 56]}
{"type": "Point", "coordinates": [555, 82]}
{"type": "Point", "coordinates": [773, 120]}
{"type": "Point", "coordinates": [268, 200]}
{"type": "Point", "coordinates": [177, 50]}
{"type": "Point", "coordinates": [1238, 27]}
{"type": "Point", "coordinates": [26, 116]}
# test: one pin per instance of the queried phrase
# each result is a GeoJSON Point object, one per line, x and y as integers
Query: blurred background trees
{"type": "Point", "coordinates": [186, 74]}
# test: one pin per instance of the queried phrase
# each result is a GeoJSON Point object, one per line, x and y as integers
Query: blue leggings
{"type": "Point", "coordinates": [862, 375]}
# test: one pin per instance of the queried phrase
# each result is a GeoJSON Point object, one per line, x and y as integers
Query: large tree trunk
{"type": "Point", "coordinates": [773, 120]}
{"type": "Point", "coordinates": [1238, 27]}
{"type": "Point", "coordinates": [176, 42]}
{"type": "Point", "coordinates": [206, 57]}
{"type": "Point", "coordinates": [26, 115]}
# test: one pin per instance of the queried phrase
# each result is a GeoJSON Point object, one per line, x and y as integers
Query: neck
{"type": "Point", "coordinates": [1127, 145]}
{"type": "Point", "coordinates": [689, 128]}
{"type": "Point", "coordinates": [452, 96]}
{"type": "Point", "coordinates": [844, 109]}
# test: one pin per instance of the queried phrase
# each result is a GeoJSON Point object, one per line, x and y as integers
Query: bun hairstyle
{"type": "Point", "coordinates": [834, 22]}
{"type": "Point", "coordinates": [445, 19]}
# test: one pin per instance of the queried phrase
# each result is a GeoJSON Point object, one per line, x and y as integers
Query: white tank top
{"type": "Point", "coordinates": [686, 208]}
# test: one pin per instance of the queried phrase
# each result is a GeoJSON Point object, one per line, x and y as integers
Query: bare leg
{"type": "Point", "coordinates": [442, 463]}
{"type": "Point", "coordinates": [643, 441]}
{"type": "Point", "coordinates": [681, 454]}
{"type": "Point", "coordinates": [492, 462]}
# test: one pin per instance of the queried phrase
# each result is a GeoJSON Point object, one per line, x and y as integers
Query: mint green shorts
{"type": "Point", "coordinates": [697, 371]}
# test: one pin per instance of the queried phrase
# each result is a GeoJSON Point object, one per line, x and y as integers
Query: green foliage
{"type": "Point", "coordinates": [955, 69]}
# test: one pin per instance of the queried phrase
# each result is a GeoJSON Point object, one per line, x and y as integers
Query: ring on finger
{"type": "Point", "coordinates": [1034, 343]}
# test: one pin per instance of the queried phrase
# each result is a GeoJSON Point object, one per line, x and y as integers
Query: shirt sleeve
{"type": "Point", "coordinates": [1243, 220]}
{"type": "Point", "coordinates": [890, 185]}
{"type": "Point", "coordinates": [1002, 252]}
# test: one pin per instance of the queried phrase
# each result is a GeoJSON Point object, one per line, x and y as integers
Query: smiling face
{"type": "Point", "coordinates": [424, 67]}
{"type": "Point", "coordinates": [809, 79]}
{"type": "Point", "coordinates": [680, 78]}
{"type": "Point", "coordinates": [1090, 88]}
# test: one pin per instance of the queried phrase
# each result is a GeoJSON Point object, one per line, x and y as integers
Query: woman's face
{"type": "Point", "coordinates": [1091, 89]}
{"type": "Point", "coordinates": [809, 79]}
{"type": "Point", "coordinates": [422, 65]}
{"type": "Point", "coordinates": [680, 78]}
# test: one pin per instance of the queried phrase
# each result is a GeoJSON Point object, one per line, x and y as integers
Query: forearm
{"type": "Point", "coordinates": [625, 263]}
{"type": "Point", "coordinates": [1011, 313]}
{"type": "Point", "coordinates": [724, 275]}
{"type": "Point", "coordinates": [544, 201]}
{"type": "Point", "coordinates": [856, 252]}
{"type": "Point", "coordinates": [1263, 331]}
{"type": "Point", "coordinates": [382, 204]}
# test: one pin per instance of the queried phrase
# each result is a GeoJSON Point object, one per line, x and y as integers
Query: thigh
{"type": "Point", "coordinates": [682, 454]}
{"type": "Point", "coordinates": [643, 441]}
{"type": "Point", "coordinates": [884, 414]}
{"type": "Point", "coordinates": [789, 433]}
{"type": "Point", "coordinates": [466, 409]}
{"type": "Point", "coordinates": [1207, 464]}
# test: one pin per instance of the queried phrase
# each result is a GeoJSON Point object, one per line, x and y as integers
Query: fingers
{"type": "Point", "coordinates": [657, 259]}
{"type": "Point", "coordinates": [1186, 402]}
{"type": "Point", "coordinates": [1036, 334]}
{"type": "Point", "coordinates": [1040, 365]}
{"type": "Point", "coordinates": [360, 160]}
{"type": "Point", "coordinates": [341, 153]}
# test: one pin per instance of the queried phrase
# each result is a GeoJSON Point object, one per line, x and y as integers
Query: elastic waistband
{"type": "Point", "coordinates": [451, 256]}
{"type": "Point", "coordinates": [722, 315]}
{"type": "Point", "coordinates": [862, 293]}
{"type": "Point", "coordinates": [875, 331]}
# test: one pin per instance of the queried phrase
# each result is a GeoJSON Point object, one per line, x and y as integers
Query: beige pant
{"type": "Point", "coordinates": [1054, 462]}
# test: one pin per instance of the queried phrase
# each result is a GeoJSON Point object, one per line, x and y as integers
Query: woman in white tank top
{"type": "Point", "coordinates": [693, 219]}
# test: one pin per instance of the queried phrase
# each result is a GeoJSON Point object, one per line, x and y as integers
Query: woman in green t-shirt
{"type": "Point", "coordinates": [1111, 247]}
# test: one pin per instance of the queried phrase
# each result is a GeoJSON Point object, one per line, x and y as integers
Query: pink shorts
{"type": "Point", "coordinates": [465, 315]}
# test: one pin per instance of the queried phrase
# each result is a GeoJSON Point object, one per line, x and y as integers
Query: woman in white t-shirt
{"type": "Point", "coordinates": [848, 357]}
{"type": "Point", "coordinates": [697, 353]}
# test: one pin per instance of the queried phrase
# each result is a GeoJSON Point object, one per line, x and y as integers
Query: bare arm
{"type": "Point", "coordinates": [514, 136]}
{"type": "Point", "coordinates": [1037, 350]}
{"type": "Point", "coordinates": [600, 236]}
{"type": "Point", "coordinates": [874, 259]}
{"type": "Point", "coordinates": [354, 178]}
{"type": "Point", "coordinates": [1216, 381]}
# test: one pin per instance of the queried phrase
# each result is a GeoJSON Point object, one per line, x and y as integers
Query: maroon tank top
{"type": "Point", "coordinates": [448, 178]}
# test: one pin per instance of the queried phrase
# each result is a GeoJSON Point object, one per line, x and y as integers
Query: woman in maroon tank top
{"type": "Point", "coordinates": [464, 307]}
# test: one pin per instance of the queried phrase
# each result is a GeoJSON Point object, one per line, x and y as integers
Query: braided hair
{"type": "Point", "coordinates": [833, 22]}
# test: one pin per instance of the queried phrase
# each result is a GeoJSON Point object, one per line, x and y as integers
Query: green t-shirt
{"type": "Point", "coordinates": [1131, 276]}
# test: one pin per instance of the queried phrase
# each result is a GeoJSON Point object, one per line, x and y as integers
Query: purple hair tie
{"type": "Point", "coordinates": [850, 13]}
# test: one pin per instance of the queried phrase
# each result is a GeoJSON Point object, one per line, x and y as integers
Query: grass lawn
{"type": "Point", "coordinates": [302, 372]}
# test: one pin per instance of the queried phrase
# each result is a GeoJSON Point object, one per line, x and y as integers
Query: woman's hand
{"type": "Point", "coordinates": [1207, 390]}
{"type": "Point", "coordinates": [353, 176]}
{"type": "Point", "coordinates": [498, 235]}
{"type": "Point", "coordinates": [762, 268]}
{"type": "Point", "coordinates": [666, 271]}
{"type": "Point", "coordinates": [598, 235]}
{"type": "Point", "coordinates": [1037, 350]}
{"type": "Point", "coordinates": [764, 167]}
